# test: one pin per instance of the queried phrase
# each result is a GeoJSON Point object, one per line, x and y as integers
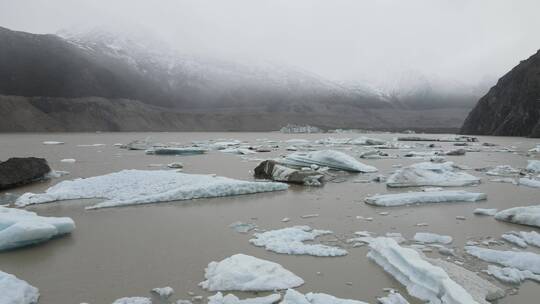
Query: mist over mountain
{"type": "Point", "coordinates": [138, 67]}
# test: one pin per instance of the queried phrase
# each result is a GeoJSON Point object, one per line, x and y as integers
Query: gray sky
{"type": "Point", "coordinates": [346, 40]}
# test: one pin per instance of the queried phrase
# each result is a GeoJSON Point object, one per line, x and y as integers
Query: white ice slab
{"type": "Point", "coordinates": [422, 279]}
{"type": "Point", "coordinates": [294, 297]}
{"type": "Point", "coordinates": [529, 182]}
{"type": "Point", "coordinates": [529, 215]}
{"type": "Point", "coordinates": [20, 228]}
{"type": "Point", "coordinates": [219, 298]}
{"type": "Point", "coordinates": [328, 158]}
{"type": "Point", "coordinates": [408, 198]}
{"type": "Point", "coordinates": [431, 174]}
{"type": "Point", "coordinates": [427, 237]}
{"type": "Point", "coordinates": [291, 241]}
{"type": "Point", "coordinates": [393, 298]}
{"type": "Point", "coordinates": [133, 300]}
{"type": "Point", "coordinates": [533, 166]}
{"type": "Point", "coordinates": [16, 291]}
{"type": "Point", "coordinates": [516, 259]}
{"type": "Point", "coordinates": [531, 237]}
{"type": "Point", "coordinates": [511, 275]}
{"type": "Point", "coordinates": [133, 187]}
{"type": "Point", "coordinates": [246, 273]}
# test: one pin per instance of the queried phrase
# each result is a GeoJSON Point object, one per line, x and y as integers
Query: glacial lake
{"type": "Point", "coordinates": [127, 251]}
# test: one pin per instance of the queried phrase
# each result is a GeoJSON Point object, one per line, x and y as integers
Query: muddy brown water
{"type": "Point", "coordinates": [127, 251]}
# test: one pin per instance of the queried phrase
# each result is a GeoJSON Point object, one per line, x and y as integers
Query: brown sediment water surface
{"type": "Point", "coordinates": [126, 251]}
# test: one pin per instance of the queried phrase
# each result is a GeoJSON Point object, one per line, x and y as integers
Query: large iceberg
{"type": "Point", "coordinates": [422, 279]}
{"type": "Point", "coordinates": [218, 298]}
{"type": "Point", "coordinates": [529, 215]}
{"type": "Point", "coordinates": [133, 187]}
{"type": "Point", "coordinates": [294, 297]}
{"type": "Point", "coordinates": [515, 259]}
{"type": "Point", "coordinates": [431, 174]}
{"type": "Point", "coordinates": [291, 241]}
{"type": "Point", "coordinates": [16, 291]}
{"type": "Point", "coordinates": [327, 158]}
{"type": "Point", "coordinates": [21, 228]}
{"type": "Point", "coordinates": [246, 273]}
{"type": "Point", "coordinates": [408, 198]}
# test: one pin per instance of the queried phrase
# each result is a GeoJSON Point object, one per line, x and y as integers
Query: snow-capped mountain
{"type": "Point", "coordinates": [96, 79]}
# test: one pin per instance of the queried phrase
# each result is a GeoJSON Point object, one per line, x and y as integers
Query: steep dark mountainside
{"type": "Point", "coordinates": [512, 107]}
{"type": "Point", "coordinates": [96, 80]}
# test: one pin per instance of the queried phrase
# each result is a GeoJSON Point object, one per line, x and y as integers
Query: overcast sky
{"type": "Point", "coordinates": [346, 40]}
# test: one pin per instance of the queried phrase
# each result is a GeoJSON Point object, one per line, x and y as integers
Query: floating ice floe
{"type": "Point", "coordinates": [218, 298]}
{"type": "Point", "coordinates": [422, 279]}
{"type": "Point", "coordinates": [246, 273]}
{"type": "Point", "coordinates": [367, 141]}
{"type": "Point", "coordinates": [511, 275]}
{"type": "Point", "coordinates": [163, 292]}
{"type": "Point", "coordinates": [529, 215]}
{"type": "Point", "coordinates": [507, 180]}
{"type": "Point", "coordinates": [241, 151]}
{"type": "Point", "coordinates": [242, 227]}
{"type": "Point", "coordinates": [427, 237]}
{"type": "Point", "coordinates": [480, 289]}
{"type": "Point", "coordinates": [514, 239]}
{"type": "Point", "coordinates": [328, 158]}
{"type": "Point", "coordinates": [516, 259]}
{"type": "Point", "coordinates": [291, 241]}
{"type": "Point", "coordinates": [531, 237]}
{"type": "Point", "coordinates": [294, 297]}
{"type": "Point", "coordinates": [502, 170]}
{"type": "Point", "coordinates": [484, 211]}
{"type": "Point", "coordinates": [535, 149]}
{"type": "Point", "coordinates": [431, 174]}
{"type": "Point", "coordinates": [408, 198]}
{"type": "Point", "coordinates": [133, 187]}
{"type": "Point", "coordinates": [393, 298]}
{"type": "Point", "coordinates": [133, 300]}
{"type": "Point", "coordinates": [529, 182]}
{"type": "Point", "coordinates": [20, 228]}
{"type": "Point", "coordinates": [16, 291]}
{"type": "Point", "coordinates": [51, 142]}
{"type": "Point", "coordinates": [175, 151]}
{"type": "Point", "coordinates": [68, 160]}
{"type": "Point", "coordinates": [533, 166]}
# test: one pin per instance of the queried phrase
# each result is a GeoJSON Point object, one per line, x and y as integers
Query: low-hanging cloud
{"type": "Point", "coordinates": [344, 40]}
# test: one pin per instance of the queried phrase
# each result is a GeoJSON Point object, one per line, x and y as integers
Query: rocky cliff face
{"type": "Point", "coordinates": [512, 107]}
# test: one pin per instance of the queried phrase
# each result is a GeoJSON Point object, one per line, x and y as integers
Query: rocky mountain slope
{"type": "Point", "coordinates": [96, 80]}
{"type": "Point", "coordinates": [512, 106]}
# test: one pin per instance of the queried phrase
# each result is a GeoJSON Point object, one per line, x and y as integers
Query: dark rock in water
{"type": "Point", "coordinates": [270, 169]}
{"type": "Point", "coordinates": [19, 171]}
{"type": "Point", "coordinates": [512, 106]}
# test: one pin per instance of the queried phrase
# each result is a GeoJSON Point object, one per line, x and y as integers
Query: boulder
{"type": "Point", "coordinates": [270, 169]}
{"type": "Point", "coordinates": [22, 170]}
